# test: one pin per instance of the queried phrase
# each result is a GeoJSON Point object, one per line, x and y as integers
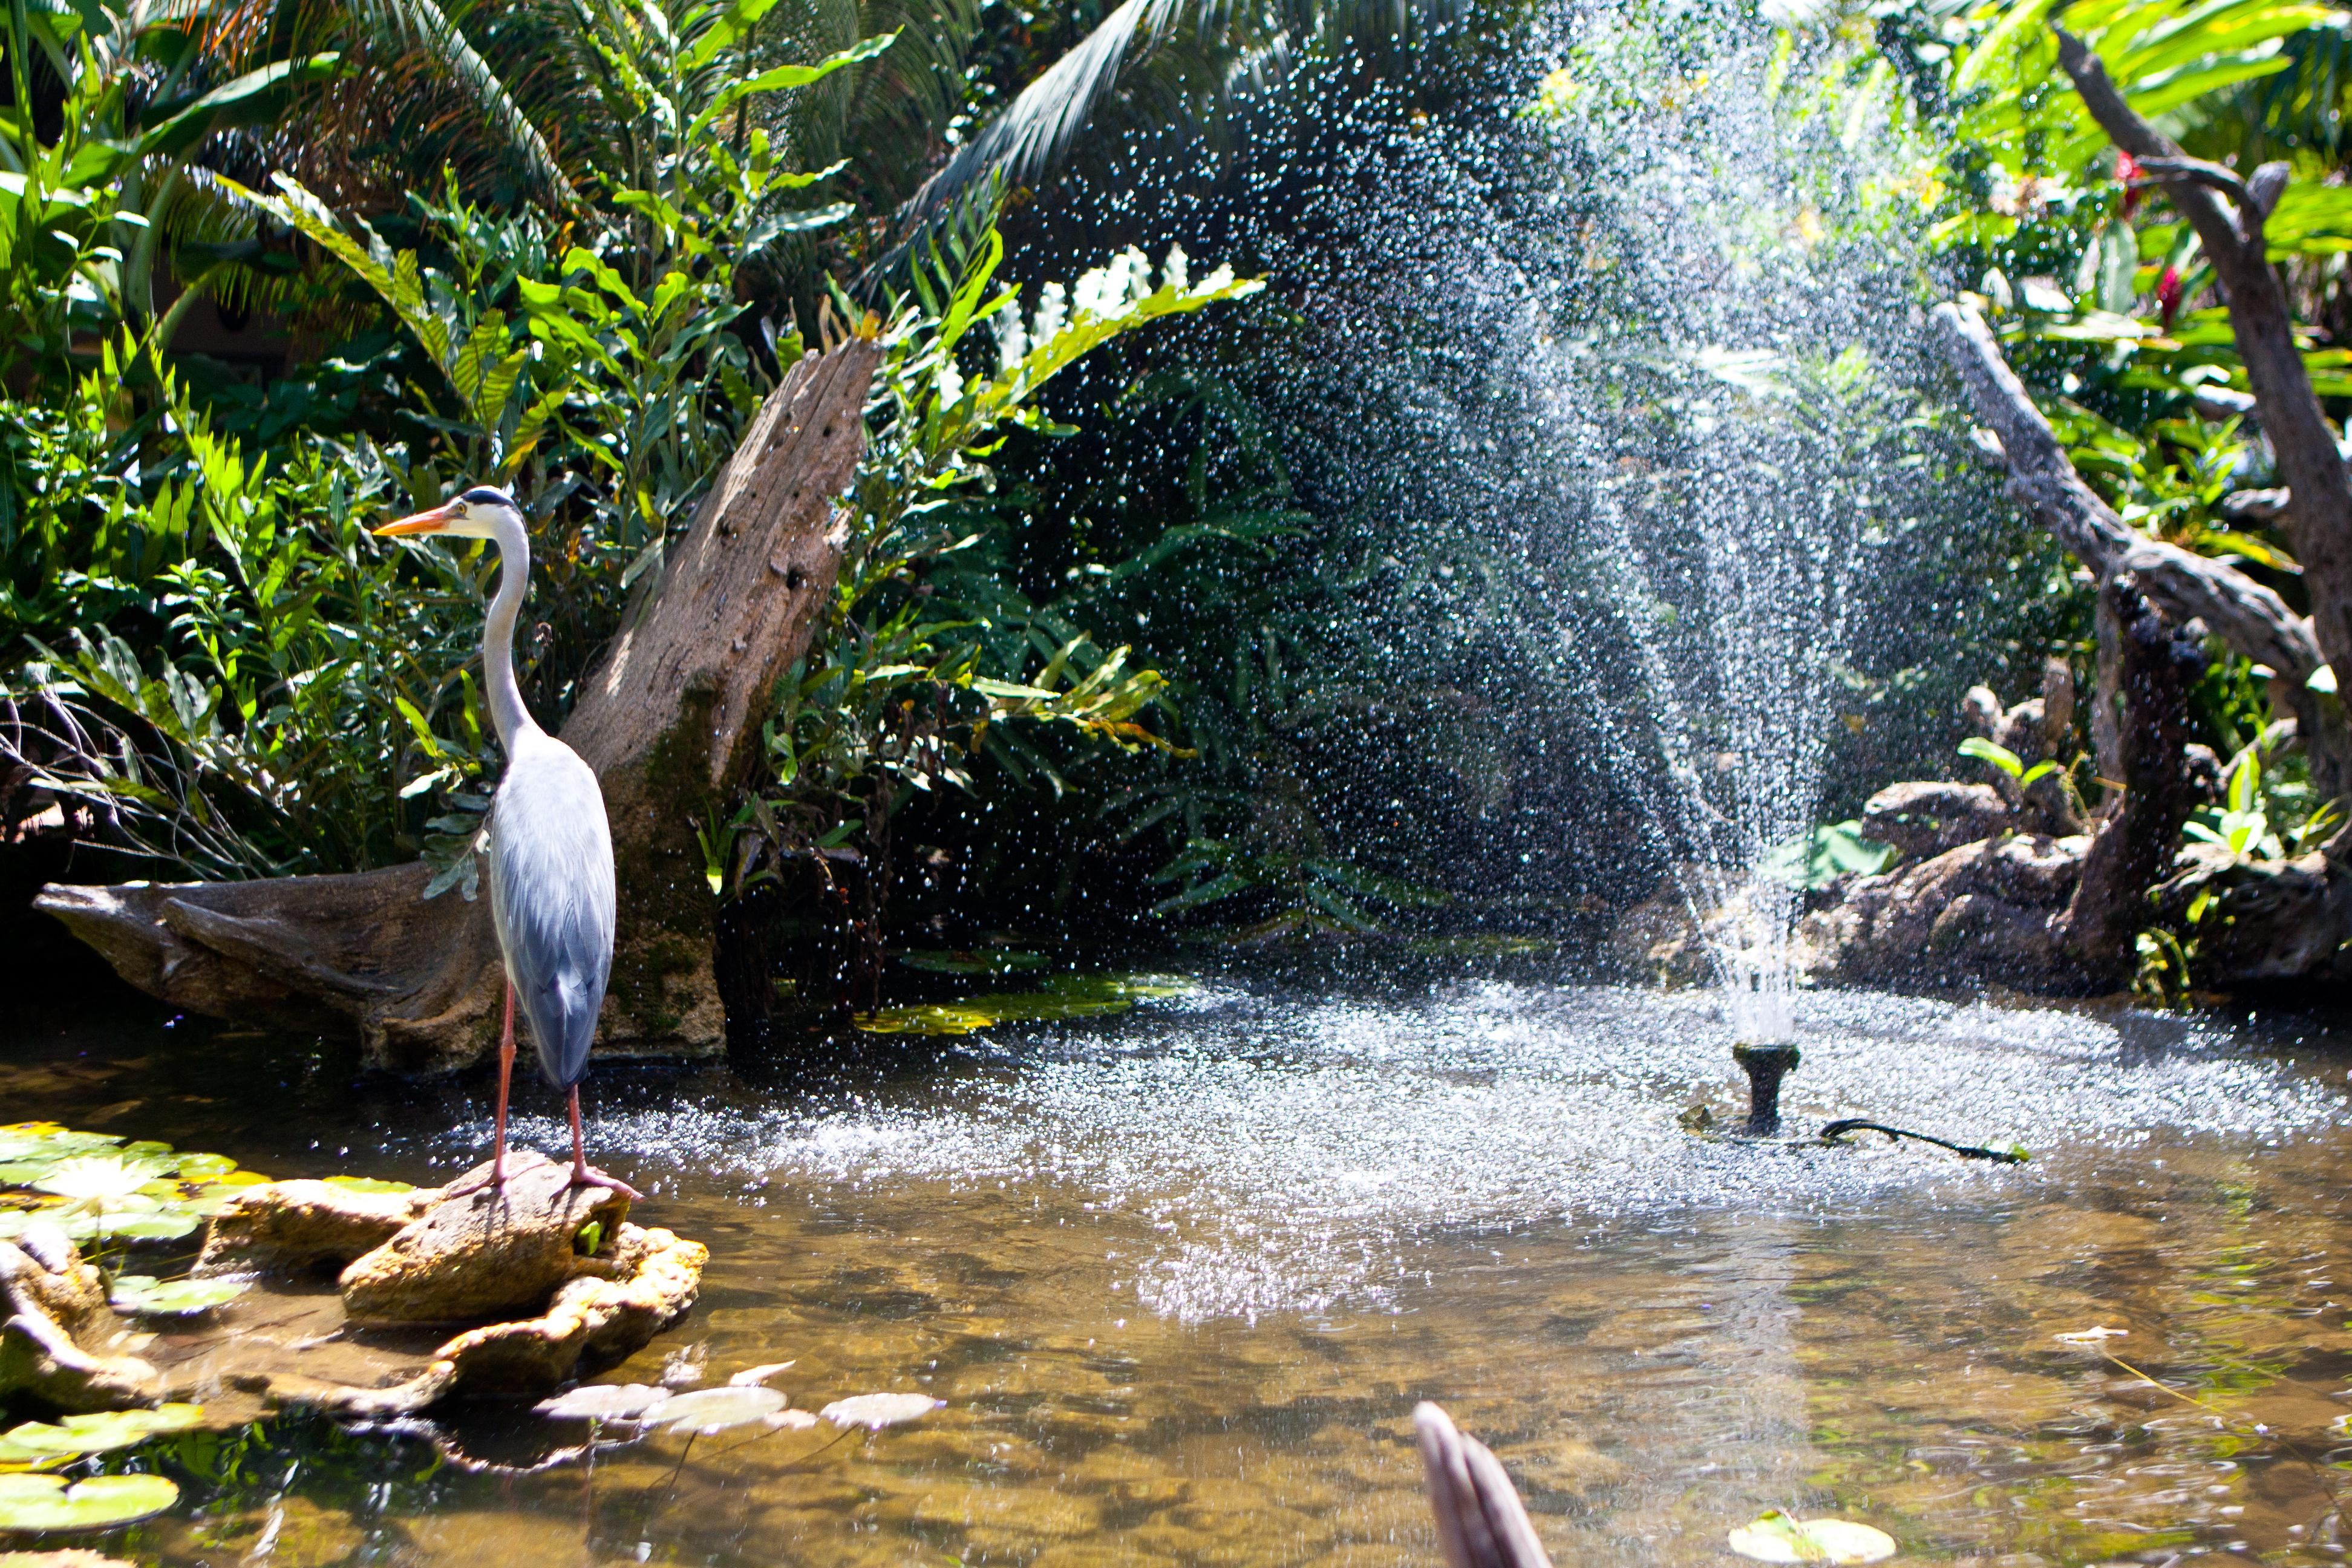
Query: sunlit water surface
{"type": "Point", "coordinates": [1180, 1278]}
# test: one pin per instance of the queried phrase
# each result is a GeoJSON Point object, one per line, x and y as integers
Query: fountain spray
{"type": "Point", "coordinates": [1730, 482]}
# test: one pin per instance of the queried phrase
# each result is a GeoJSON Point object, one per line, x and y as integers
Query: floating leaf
{"type": "Point", "coordinates": [875, 1411]}
{"type": "Point", "coordinates": [752, 1377]}
{"type": "Point", "coordinates": [133, 1225]}
{"type": "Point", "coordinates": [986, 961]}
{"type": "Point", "coordinates": [205, 1167]}
{"type": "Point", "coordinates": [46, 1502]}
{"type": "Point", "coordinates": [708, 1410]}
{"type": "Point", "coordinates": [369, 1185]}
{"type": "Point", "coordinates": [2092, 1336]}
{"type": "Point", "coordinates": [96, 1434]}
{"type": "Point", "coordinates": [1064, 996]}
{"type": "Point", "coordinates": [151, 1296]}
{"type": "Point", "coordinates": [789, 1421]}
{"type": "Point", "coordinates": [602, 1402]}
{"type": "Point", "coordinates": [1777, 1538]}
{"type": "Point", "coordinates": [47, 1141]}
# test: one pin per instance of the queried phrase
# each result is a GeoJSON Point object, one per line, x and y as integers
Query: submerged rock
{"type": "Point", "coordinates": [492, 1252]}
{"type": "Point", "coordinates": [61, 1339]}
{"type": "Point", "coordinates": [569, 1285]}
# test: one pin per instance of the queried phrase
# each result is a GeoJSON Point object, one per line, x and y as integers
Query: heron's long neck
{"type": "Point", "coordinates": [506, 711]}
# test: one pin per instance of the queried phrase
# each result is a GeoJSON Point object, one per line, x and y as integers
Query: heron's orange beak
{"type": "Point", "coordinates": [433, 521]}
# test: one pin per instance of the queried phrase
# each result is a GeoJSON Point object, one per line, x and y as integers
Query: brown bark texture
{"type": "Point", "coordinates": [2131, 850]}
{"type": "Point", "coordinates": [669, 718]}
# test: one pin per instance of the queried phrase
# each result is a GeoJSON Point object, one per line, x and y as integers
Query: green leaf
{"type": "Point", "coordinates": [2245, 781]}
{"type": "Point", "coordinates": [148, 1297]}
{"type": "Point", "coordinates": [97, 1433]}
{"type": "Point", "coordinates": [40, 1503]}
{"type": "Point", "coordinates": [132, 1226]}
{"type": "Point", "coordinates": [1994, 755]}
{"type": "Point", "coordinates": [778, 79]}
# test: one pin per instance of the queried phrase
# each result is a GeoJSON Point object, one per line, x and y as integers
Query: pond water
{"type": "Point", "coordinates": [1181, 1275]}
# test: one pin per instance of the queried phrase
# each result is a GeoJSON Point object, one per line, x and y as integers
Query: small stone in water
{"type": "Point", "coordinates": [875, 1411]}
{"type": "Point", "coordinates": [683, 1367]}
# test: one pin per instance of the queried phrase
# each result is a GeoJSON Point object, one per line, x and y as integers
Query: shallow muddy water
{"type": "Point", "coordinates": [1180, 1278]}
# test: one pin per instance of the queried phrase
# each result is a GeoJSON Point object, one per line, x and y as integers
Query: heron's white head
{"type": "Point", "coordinates": [474, 515]}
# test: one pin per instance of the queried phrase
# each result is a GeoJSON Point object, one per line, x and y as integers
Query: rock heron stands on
{"type": "Point", "coordinates": [551, 848]}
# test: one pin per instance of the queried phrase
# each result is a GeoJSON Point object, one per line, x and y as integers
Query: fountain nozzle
{"type": "Point", "coordinates": [1766, 1067]}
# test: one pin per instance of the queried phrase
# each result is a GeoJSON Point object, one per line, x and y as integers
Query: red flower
{"type": "Point", "coordinates": [2127, 171]}
{"type": "Point", "coordinates": [2168, 295]}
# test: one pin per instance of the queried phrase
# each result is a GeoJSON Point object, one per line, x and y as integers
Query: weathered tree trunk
{"type": "Point", "coordinates": [2133, 848]}
{"type": "Point", "coordinates": [669, 718]}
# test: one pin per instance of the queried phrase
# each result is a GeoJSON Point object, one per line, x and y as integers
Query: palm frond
{"type": "Point", "coordinates": [1037, 127]}
{"type": "Point", "coordinates": [423, 28]}
{"type": "Point", "coordinates": [1235, 49]}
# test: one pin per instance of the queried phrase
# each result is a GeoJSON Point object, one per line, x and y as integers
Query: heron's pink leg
{"type": "Point", "coordinates": [497, 1176]}
{"type": "Point", "coordinates": [584, 1174]}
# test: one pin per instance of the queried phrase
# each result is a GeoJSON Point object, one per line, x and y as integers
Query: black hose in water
{"type": "Point", "coordinates": [1837, 1129]}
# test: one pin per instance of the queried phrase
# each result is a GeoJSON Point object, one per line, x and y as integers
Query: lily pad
{"type": "Point", "coordinates": [981, 960]}
{"type": "Point", "coordinates": [1777, 1538]}
{"type": "Point", "coordinates": [96, 1433]}
{"type": "Point", "coordinates": [752, 1377]}
{"type": "Point", "coordinates": [602, 1402]}
{"type": "Point", "coordinates": [1064, 996]}
{"type": "Point", "coordinates": [103, 1502]}
{"type": "Point", "coordinates": [705, 1411]}
{"type": "Point", "coordinates": [134, 1226]}
{"type": "Point", "coordinates": [875, 1411]}
{"type": "Point", "coordinates": [49, 1141]}
{"type": "Point", "coordinates": [369, 1185]}
{"type": "Point", "coordinates": [151, 1296]}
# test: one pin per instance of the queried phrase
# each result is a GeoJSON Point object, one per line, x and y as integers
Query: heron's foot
{"type": "Point", "coordinates": [587, 1175]}
{"type": "Point", "coordinates": [493, 1180]}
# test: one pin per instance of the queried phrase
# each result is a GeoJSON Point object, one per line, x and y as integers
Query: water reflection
{"type": "Point", "coordinates": [1181, 1277]}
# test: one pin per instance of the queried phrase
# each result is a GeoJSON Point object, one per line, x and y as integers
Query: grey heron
{"type": "Point", "coordinates": [551, 895]}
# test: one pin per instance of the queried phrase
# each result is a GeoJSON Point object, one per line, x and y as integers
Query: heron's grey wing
{"type": "Point", "coordinates": [552, 899]}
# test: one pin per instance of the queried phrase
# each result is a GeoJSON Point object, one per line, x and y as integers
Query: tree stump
{"type": "Point", "coordinates": [669, 718]}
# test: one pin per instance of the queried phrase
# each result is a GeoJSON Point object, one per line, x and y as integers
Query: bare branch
{"type": "Point", "coordinates": [2255, 622]}
{"type": "Point", "coordinates": [2320, 523]}
{"type": "Point", "coordinates": [2198, 171]}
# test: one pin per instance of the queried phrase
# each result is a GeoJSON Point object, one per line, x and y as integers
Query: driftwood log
{"type": "Point", "coordinates": [670, 719]}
